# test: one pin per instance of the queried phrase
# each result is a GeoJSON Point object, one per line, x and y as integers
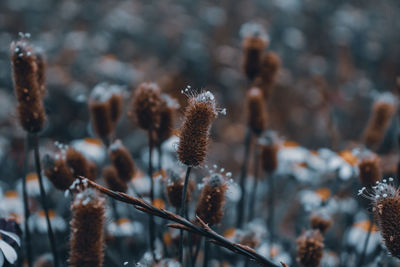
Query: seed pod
{"type": "Point", "coordinates": [116, 103]}
{"type": "Point", "coordinates": [30, 107]}
{"type": "Point", "coordinates": [168, 108]}
{"type": "Point", "coordinates": [253, 47]}
{"type": "Point", "coordinates": [212, 200]}
{"type": "Point", "coordinates": [146, 106]}
{"type": "Point", "coordinates": [41, 70]}
{"type": "Point", "coordinates": [100, 117]}
{"type": "Point", "coordinates": [320, 222]}
{"type": "Point", "coordinates": [369, 170]}
{"type": "Point", "coordinates": [382, 113]}
{"type": "Point", "coordinates": [269, 67]}
{"type": "Point", "coordinates": [122, 161]}
{"type": "Point", "coordinates": [110, 176]}
{"type": "Point", "coordinates": [175, 188]}
{"type": "Point", "coordinates": [87, 223]}
{"type": "Point", "coordinates": [77, 162]}
{"type": "Point", "coordinates": [256, 116]}
{"type": "Point", "coordinates": [310, 247]}
{"type": "Point", "coordinates": [194, 135]}
{"type": "Point", "coordinates": [58, 172]}
{"type": "Point", "coordinates": [269, 152]}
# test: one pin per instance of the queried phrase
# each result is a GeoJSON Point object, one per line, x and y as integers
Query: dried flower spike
{"type": "Point", "coordinates": [256, 116]}
{"type": "Point", "coordinates": [58, 172]}
{"type": "Point", "coordinates": [320, 222]}
{"type": "Point", "coordinates": [269, 152]}
{"type": "Point", "coordinates": [116, 102]}
{"type": "Point", "coordinates": [41, 70]}
{"type": "Point", "coordinates": [194, 134]}
{"type": "Point", "coordinates": [110, 176]}
{"type": "Point", "coordinates": [146, 106]}
{"type": "Point", "coordinates": [383, 110]}
{"type": "Point", "coordinates": [122, 161]}
{"type": "Point", "coordinates": [212, 200]}
{"type": "Point", "coordinates": [269, 67]}
{"type": "Point", "coordinates": [167, 113]}
{"type": "Point", "coordinates": [30, 107]}
{"type": "Point", "coordinates": [100, 113]}
{"type": "Point", "coordinates": [310, 248]}
{"type": "Point", "coordinates": [175, 188]}
{"type": "Point", "coordinates": [87, 238]}
{"type": "Point", "coordinates": [77, 162]}
{"type": "Point", "coordinates": [369, 170]}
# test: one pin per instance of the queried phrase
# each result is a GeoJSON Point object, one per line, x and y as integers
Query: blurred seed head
{"type": "Point", "coordinates": [310, 248]}
{"type": "Point", "coordinates": [122, 160]}
{"type": "Point", "coordinates": [58, 172]}
{"type": "Point", "coordinates": [256, 113]}
{"type": "Point", "coordinates": [110, 176]}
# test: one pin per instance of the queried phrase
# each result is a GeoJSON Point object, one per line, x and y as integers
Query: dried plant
{"type": "Point", "coordinates": [253, 47]}
{"type": "Point", "coordinates": [122, 160]}
{"type": "Point", "coordinates": [111, 178]}
{"type": "Point", "coordinates": [369, 169]}
{"type": "Point", "coordinates": [77, 162]}
{"type": "Point", "coordinates": [310, 248]}
{"type": "Point", "coordinates": [58, 172]}
{"type": "Point", "coordinates": [256, 114]}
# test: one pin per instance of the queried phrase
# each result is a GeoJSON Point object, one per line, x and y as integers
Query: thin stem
{"type": "Point", "coordinates": [28, 245]}
{"type": "Point", "coordinates": [255, 184]}
{"type": "Point", "coordinates": [243, 174]}
{"type": "Point", "coordinates": [43, 199]}
{"type": "Point", "coordinates": [196, 253]}
{"type": "Point", "coordinates": [199, 228]}
{"type": "Point", "coordinates": [151, 218]}
{"type": "Point", "coordinates": [182, 211]}
{"type": "Point", "coordinates": [159, 150]}
{"type": "Point", "coordinates": [206, 249]}
{"type": "Point", "coordinates": [271, 229]}
{"type": "Point", "coordinates": [362, 255]}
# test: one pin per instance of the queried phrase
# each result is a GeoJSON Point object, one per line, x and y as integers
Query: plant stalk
{"type": "Point", "coordinates": [182, 211]}
{"type": "Point", "coordinates": [28, 245]}
{"type": "Point", "coordinates": [362, 255]}
{"type": "Point", "coordinates": [151, 218]}
{"type": "Point", "coordinates": [271, 212]}
{"type": "Point", "coordinates": [255, 184]}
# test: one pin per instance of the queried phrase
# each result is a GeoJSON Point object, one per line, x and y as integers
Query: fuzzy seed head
{"type": "Point", "coordinates": [320, 222]}
{"type": "Point", "coordinates": [194, 134]}
{"type": "Point", "coordinates": [87, 223]}
{"type": "Point", "coordinates": [116, 103]}
{"type": "Point", "coordinates": [146, 106]}
{"type": "Point", "coordinates": [110, 176]}
{"type": "Point", "coordinates": [167, 113]}
{"type": "Point", "coordinates": [269, 152]}
{"type": "Point", "coordinates": [212, 200]}
{"type": "Point", "coordinates": [175, 189]}
{"type": "Point", "coordinates": [268, 73]}
{"type": "Point", "coordinates": [369, 170]}
{"type": "Point", "coordinates": [58, 172]}
{"type": "Point", "coordinates": [253, 47]}
{"type": "Point", "coordinates": [256, 115]}
{"type": "Point", "coordinates": [92, 171]}
{"type": "Point", "coordinates": [30, 107]}
{"type": "Point", "coordinates": [41, 70]}
{"type": "Point", "coordinates": [77, 162]}
{"type": "Point", "coordinates": [310, 248]}
{"type": "Point", "coordinates": [122, 161]}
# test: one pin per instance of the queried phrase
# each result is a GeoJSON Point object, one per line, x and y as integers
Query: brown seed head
{"type": "Point", "coordinates": [175, 188]}
{"type": "Point", "coordinates": [212, 200]}
{"type": "Point", "coordinates": [110, 176]}
{"type": "Point", "coordinates": [58, 172]}
{"type": "Point", "coordinates": [77, 162]}
{"type": "Point", "coordinates": [369, 170]}
{"type": "Point", "coordinates": [269, 152]}
{"type": "Point", "coordinates": [320, 222]}
{"type": "Point", "coordinates": [116, 103]}
{"type": "Point", "coordinates": [100, 114]}
{"type": "Point", "coordinates": [41, 70]}
{"type": "Point", "coordinates": [92, 170]}
{"type": "Point", "coordinates": [256, 115]}
{"type": "Point", "coordinates": [194, 134]}
{"type": "Point", "coordinates": [30, 107]}
{"type": "Point", "coordinates": [269, 67]}
{"type": "Point", "coordinates": [382, 113]}
{"type": "Point", "coordinates": [87, 223]}
{"type": "Point", "coordinates": [146, 106]}
{"type": "Point", "coordinates": [167, 112]}
{"type": "Point", "coordinates": [122, 161]}
{"type": "Point", "coordinates": [253, 47]}
{"type": "Point", "coordinates": [310, 248]}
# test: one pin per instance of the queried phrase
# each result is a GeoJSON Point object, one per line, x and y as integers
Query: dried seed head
{"type": "Point", "coordinates": [383, 110]}
{"type": "Point", "coordinates": [110, 176]}
{"type": "Point", "coordinates": [146, 106]}
{"type": "Point", "coordinates": [386, 202]}
{"type": "Point", "coordinates": [212, 200]}
{"type": "Point", "coordinates": [194, 134]}
{"type": "Point", "coordinates": [175, 188]}
{"type": "Point", "coordinates": [30, 107]}
{"type": "Point", "coordinates": [58, 172]}
{"type": "Point", "coordinates": [100, 113]}
{"type": "Point", "coordinates": [320, 221]}
{"type": "Point", "coordinates": [269, 151]}
{"type": "Point", "coordinates": [77, 162]}
{"type": "Point", "coordinates": [116, 102]}
{"type": "Point", "coordinates": [92, 170]}
{"type": "Point", "coordinates": [269, 67]}
{"type": "Point", "coordinates": [168, 108]}
{"type": "Point", "coordinates": [256, 116]}
{"type": "Point", "coordinates": [310, 248]}
{"type": "Point", "coordinates": [122, 161]}
{"type": "Point", "coordinates": [369, 170]}
{"type": "Point", "coordinates": [253, 47]}
{"type": "Point", "coordinates": [41, 70]}
{"type": "Point", "coordinates": [87, 223]}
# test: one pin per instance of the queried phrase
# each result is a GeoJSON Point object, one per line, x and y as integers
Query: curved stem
{"type": "Point", "coordinates": [28, 245]}
{"type": "Point", "coordinates": [43, 199]}
{"type": "Point", "coordinates": [182, 211]}
{"type": "Point", "coordinates": [243, 174]}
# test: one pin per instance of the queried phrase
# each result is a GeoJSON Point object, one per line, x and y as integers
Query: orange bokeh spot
{"type": "Point", "coordinates": [162, 173]}
{"type": "Point", "coordinates": [11, 194]}
{"type": "Point", "coordinates": [324, 193]}
{"type": "Point", "coordinates": [123, 220]}
{"type": "Point", "coordinates": [32, 176]}
{"type": "Point", "coordinates": [52, 214]}
{"type": "Point", "coordinates": [364, 225]}
{"type": "Point", "coordinates": [167, 238]}
{"type": "Point", "coordinates": [159, 203]}
{"type": "Point", "coordinates": [230, 232]}
{"type": "Point", "coordinates": [93, 141]}
{"type": "Point", "coordinates": [288, 143]}
{"type": "Point", "coordinates": [273, 252]}
{"type": "Point", "coordinates": [349, 157]}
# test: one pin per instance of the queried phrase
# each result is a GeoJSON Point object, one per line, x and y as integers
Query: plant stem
{"type": "Point", "coordinates": [362, 255]}
{"type": "Point", "coordinates": [255, 183]}
{"type": "Point", "coordinates": [151, 218]}
{"type": "Point", "coordinates": [206, 249]}
{"type": "Point", "coordinates": [182, 211]}
{"type": "Point", "coordinates": [270, 179]}
{"type": "Point", "coordinates": [28, 245]}
{"type": "Point", "coordinates": [243, 174]}
{"type": "Point", "coordinates": [43, 199]}
{"type": "Point", "coordinates": [159, 150]}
